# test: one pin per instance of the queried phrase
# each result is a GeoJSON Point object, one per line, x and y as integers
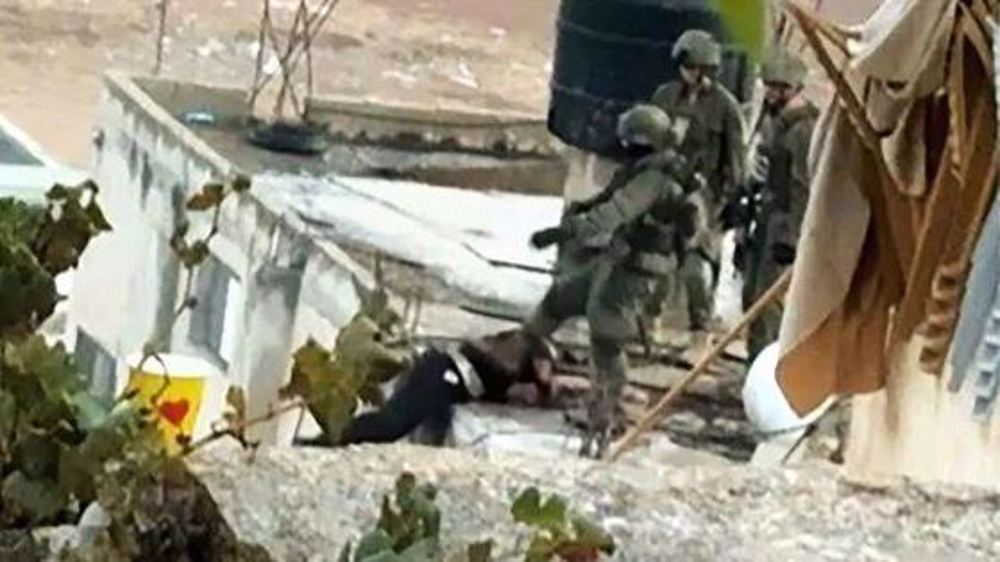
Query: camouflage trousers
{"type": "Point", "coordinates": [695, 276]}
{"type": "Point", "coordinates": [761, 271]}
{"type": "Point", "coordinates": [696, 272]}
{"type": "Point", "coordinates": [611, 297]}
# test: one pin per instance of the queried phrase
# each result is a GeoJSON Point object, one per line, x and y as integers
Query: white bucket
{"type": "Point", "coordinates": [765, 403]}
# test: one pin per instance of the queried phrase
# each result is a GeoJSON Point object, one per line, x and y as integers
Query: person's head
{"type": "Point", "coordinates": [698, 57]}
{"type": "Point", "coordinates": [645, 128]}
{"type": "Point", "coordinates": [784, 74]}
{"type": "Point", "coordinates": [528, 357]}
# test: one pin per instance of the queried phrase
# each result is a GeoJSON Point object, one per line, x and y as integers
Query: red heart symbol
{"type": "Point", "coordinates": [175, 412]}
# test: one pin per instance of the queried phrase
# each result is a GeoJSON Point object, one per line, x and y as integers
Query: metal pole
{"type": "Point", "coordinates": [160, 35]}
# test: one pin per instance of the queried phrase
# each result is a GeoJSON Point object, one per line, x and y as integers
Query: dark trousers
{"type": "Point", "coordinates": [423, 397]}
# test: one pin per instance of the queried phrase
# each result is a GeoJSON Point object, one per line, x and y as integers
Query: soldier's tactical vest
{"type": "Point", "coordinates": [705, 141]}
{"type": "Point", "coordinates": [660, 233]}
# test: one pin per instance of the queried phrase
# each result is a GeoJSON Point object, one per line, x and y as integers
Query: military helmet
{"type": "Point", "coordinates": [645, 125]}
{"type": "Point", "coordinates": [785, 67]}
{"type": "Point", "coordinates": [697, 47]}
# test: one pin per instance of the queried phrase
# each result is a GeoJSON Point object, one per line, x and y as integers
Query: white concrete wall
{"type": "Point", "coordinates": [295, 288]}
{"type": "Point", "coordinates": [917, 428]}
{"type": "Point", "coordinates": [587, 176]}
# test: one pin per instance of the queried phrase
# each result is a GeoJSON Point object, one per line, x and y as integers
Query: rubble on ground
{"type": "Point", "coordinates": [305, 504]}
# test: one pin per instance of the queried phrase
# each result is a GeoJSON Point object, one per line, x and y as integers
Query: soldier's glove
{"type": "Point", "coordinates": [577, 207]}
{"type": "Point", "coordinates": [549, 237]}
{"type": "Point", "coordinates": [784, 254]}
{"type": "Point", "coordinates": [735, 213]}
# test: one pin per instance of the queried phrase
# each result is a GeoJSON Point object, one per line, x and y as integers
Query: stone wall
{"type": "Point", "coordinates": [305, 504]}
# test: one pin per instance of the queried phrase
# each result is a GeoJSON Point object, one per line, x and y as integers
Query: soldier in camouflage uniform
{"type": "Point", "coordinates": [780, 168]}
{"type": "Point", "coordinates": [645, 218]}
{"type": "Point", "coordinates": [716, 145]}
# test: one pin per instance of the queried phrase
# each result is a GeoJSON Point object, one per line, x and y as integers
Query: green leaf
{"type": "Point", "coordinates": [332, 383]}
{"type": "Point", "coordinates": [526, 505]}
{"type": "Point", "coordinates": [39, 499]}
{"type": "Point", "coordinates": [67, 228]}
{"type": "Point", "coordinates": [392, 523]}
{"type": "Point", "coordinates": [590, 535]}
{"type": "Point", "coordinates": [89, 185]}
{"type": "Point", "coordinates": [426, 550]}
{"type": "Point", "coordinates": [552, 514]}
{"type": "Point", "coordinates": [211, 195]}
{"type": "Point", "coordinates": [77, 473]}
{"type": "Point", "coordinates": [19, 221]}
{"type": "Point", "coordinates": [406, 484]}
{"type": "Point", "coordinates": [193, 255]}
{"type": "Point", "coordinates": [529, 509]}
{"type": "Point", "coordinates": [96, 218]}
{"type": "Point", "coordinates": [90, 412]}
{"type": "Point", "coordinates": [373, 543]}
{"type": "Point", "coordinates": [37, 456]}
{"type": "Point", "coordinates": [236, 402]}
{"type": "Point", "coordinates": [29, 291]}
{"type": "Point", "coordinates": [49, 364]}
{"type": "Point", "coordinates": [8, 412]}
{"type": "Point", "coordinates": [371, 395]}
{"type": "Point", "coordinates": [480, 551]}
{"type": "Point", "coordinates": [541, 549]}
{"type": "Point", "coordinates": [241, 183]}
{"type": "Point", "coordinates": [427, 512]}
{"type": "Point", "coordinates": [746, 22]}
{"type": "Point", "coordinates": [57, 192]}
{"type": "Point", "coordinates": [121, 425]}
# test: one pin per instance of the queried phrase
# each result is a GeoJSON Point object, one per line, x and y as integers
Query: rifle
{"type": "Point", "coordinates": [743, 209]}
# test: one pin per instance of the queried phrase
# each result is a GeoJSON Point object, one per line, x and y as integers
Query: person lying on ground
{"type": "Point", "coordinates": [509, 366]}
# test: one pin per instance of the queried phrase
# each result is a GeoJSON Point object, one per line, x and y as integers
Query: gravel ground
{"type": "Point", "coordinates": [304, 504]}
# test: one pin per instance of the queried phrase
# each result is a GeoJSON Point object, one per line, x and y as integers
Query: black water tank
{"type": "Point", "coordinates": [611, 54]}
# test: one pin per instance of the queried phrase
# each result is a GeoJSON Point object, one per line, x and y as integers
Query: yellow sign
{"type": "Point", "coordinates": [178, 404]}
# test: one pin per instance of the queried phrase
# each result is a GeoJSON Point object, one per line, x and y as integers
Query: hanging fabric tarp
{"type": "Point", "coordinates": [887, 191]}
{"type": "Point", "coordinates": [905, 42]}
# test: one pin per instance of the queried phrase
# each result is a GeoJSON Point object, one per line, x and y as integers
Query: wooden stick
{"type": "Point", "coordinates": [160, 35]}
{"type": "Point", "coordinates": [657, 412]}
{"type": "Point", "coordinates": [289, 60]}
{"type": "Point", "coordinates": [258, 69]}
{"type": "Point", "coordinates": [287, 86]}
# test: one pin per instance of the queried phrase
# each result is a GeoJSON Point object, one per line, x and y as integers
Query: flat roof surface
{"type": "Point", "coordinates": [474, 241]}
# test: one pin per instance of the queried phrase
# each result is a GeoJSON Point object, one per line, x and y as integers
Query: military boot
{"type": "Point", "coordinates": [606, 421]}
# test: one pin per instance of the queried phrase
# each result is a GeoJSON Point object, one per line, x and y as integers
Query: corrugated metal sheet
{"type": "Point", "coordinates": [978, 335]}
